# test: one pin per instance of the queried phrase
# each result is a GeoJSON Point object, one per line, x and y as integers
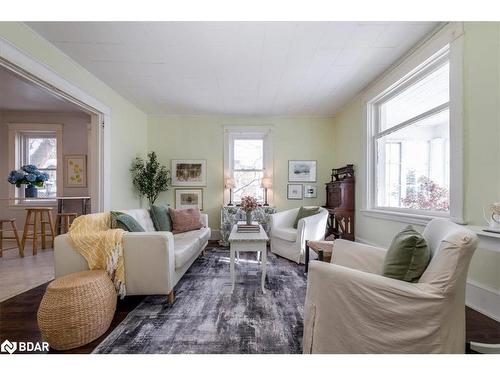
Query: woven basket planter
{"type": "Point", "coordinates": [76, 309]}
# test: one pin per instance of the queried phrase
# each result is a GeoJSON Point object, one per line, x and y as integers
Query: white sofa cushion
{"type": "Point", "coordinates": [185, 249]}
{"type": "Point", "coordinates": [202, 234]}
{"type": "Point", "coordinates": [285, 233]}
{"type": "Point", "coordinates": [143, 217]}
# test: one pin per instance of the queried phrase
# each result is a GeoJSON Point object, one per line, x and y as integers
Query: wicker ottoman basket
{"type": "Point", "coordinates": [76, 309]}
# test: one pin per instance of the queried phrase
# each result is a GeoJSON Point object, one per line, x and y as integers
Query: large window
{"type": "Point", "coordinates": [410, 141]}
{"type": "Point", "coordinates": [247, 160]}
{"type": "Point", "coordinates": [248, 168]}
{"type": "Point", "coordinates": [40, 149]}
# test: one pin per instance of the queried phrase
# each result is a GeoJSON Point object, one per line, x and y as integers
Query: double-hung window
{"type": "Point", "coordinates": [40, 149]}
{"type": "Point", "coordinates": [247, 160]}
{"type": "Point", "coordinates": [409, 135]}
{"type": "Point", "coordinates": [248, 168]}
{"type": "Point", "coordinates": [39, 145]}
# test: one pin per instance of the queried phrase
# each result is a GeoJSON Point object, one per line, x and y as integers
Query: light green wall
{"type": "Point", "coordinates": [175, 137]}
{"type": "Point", "coordinates": [481, 146]}
{"type": "Point", "coordinates": [128, 124]}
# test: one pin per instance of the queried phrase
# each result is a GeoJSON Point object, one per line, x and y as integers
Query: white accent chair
{"type": "Point", "coordinates": [351, 308]}
{"type": "Point", "coordinates": [289, 242]}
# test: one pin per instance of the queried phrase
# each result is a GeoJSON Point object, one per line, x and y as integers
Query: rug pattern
{"type": "Point", "coordinates": [207, 318]}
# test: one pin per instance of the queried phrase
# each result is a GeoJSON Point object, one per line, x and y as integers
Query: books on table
{"type": "Point", "coordinates": [243, 227]}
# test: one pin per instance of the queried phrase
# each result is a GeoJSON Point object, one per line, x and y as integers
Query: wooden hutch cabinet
{"type": "Point", "coordinates": [340, 203]}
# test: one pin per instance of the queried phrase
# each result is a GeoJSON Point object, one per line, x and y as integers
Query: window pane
{"type": "Point", "coordinates": [49, 189]}
{"type": "Point", "coordinates": [248, 183]}
{"type": "Point", "coordinates": [424, 95]}
{"type": "Point", "coordinates": [42, 152]}
{"type": "Point", "coordinates": [414, 167]}
{"type": "Point", "coordinates": [248, 154]}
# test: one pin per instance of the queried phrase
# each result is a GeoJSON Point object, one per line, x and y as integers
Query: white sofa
{"type": "Point", "coordinates": [352, 308]}
{"type": "Point", "coordinates": [154, 261]}
{"type": "Point", "coordinates": [289, 242]}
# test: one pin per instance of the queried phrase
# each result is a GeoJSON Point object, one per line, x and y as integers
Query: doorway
{"type": "Point", "coordinates": [43, 120]}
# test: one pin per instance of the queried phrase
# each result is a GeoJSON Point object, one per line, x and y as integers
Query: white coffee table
{"type": "Point", "coordinates": [255, 242]}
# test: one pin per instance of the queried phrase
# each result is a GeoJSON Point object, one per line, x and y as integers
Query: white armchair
{"type": "Point", "coordinates": [289, 242]}
{"type": "Point", "coordinates": [351, 308]}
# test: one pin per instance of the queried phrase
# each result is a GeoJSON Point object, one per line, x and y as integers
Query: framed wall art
{"type": "Point", "coordinates": [302, 170]}
{"type": "Point", "coordinates": [75, 171]}
{"type": "Point", "coordinates": [310, 191]}
{"type": "Point", "coordinates": [294, 191]}
{"type": "Point", "coordinates": [189, 198]}
{"type": "Point", "coordinates": [189, 172]}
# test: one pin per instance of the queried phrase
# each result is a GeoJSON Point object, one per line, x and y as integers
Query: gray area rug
{"type": "Point", "coordinates": [207, 318]}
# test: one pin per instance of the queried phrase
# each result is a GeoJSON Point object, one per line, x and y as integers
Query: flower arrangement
{"type": "Point", "coordinates": [248, 203]}
{"type": "Point", "coordinates": [28, 175]}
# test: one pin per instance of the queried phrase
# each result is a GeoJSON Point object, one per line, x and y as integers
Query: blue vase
{"type": "Point", "coordinates": [30, 191]}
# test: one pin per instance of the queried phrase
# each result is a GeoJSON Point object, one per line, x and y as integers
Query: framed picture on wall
{"type": "Point", "coordinates": [310, 191]}
{"type": "Point", "coordinates": [294, 191]}
{"type": "Point", "coordinates": [189, 172]}
{"type": "Point", "coordinates": [75, 171]}
{"type": "Point", "coordinates": [302, 170]}
{"type": "Point", "coordinates": [189, 198]}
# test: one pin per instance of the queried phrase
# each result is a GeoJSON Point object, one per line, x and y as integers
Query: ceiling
{"type": "Point", "coordinates": [18, 94]}
{"type": "Point", "coordinates": [236, 68]}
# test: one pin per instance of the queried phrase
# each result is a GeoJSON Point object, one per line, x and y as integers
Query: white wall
{"type": "Point", "coordinates": [202, 137]}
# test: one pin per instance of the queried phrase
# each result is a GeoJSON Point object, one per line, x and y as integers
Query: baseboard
{"type": "Point", "coordinates": [478, 296]}
{"type": "Point", "coordinates": [483, 299]}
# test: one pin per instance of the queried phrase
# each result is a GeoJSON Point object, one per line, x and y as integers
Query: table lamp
{"type": "Point", "coordinates": [229, 183]}
{"type": "Point", "coordinates": [266, 183]}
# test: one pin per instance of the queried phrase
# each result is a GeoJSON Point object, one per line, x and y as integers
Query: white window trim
{"type": "Point", "coordinates": [452, 35]}
{"type": "Point", "coordinates": [14, 133]}
{"type": "Point", "coordinates": [251, 132]}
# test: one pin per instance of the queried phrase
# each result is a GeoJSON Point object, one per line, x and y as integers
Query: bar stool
{"type": "Point", "coordinates": [64, 220]}
{"type": "Point", "coordinates": [13, 228]}
{"type": "Point", "coordinates": [38, 222]}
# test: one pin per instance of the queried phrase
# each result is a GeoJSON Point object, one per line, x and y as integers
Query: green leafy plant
{"type": "Point", "coordinates": [149, 177]}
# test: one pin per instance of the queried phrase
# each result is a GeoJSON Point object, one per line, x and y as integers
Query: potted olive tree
{"type": "Point", "coordinates": [149, 177]}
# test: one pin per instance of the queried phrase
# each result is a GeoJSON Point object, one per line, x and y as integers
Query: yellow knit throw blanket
{"type": "Point", "coordinates": [101, 246]}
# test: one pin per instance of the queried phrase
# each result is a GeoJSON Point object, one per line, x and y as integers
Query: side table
{"type": "Point", "coordinates": [255, 242]}
{"type": "Point", "coordinates": [323, 248]}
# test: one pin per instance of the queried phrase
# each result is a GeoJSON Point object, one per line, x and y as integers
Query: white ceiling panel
{"type": "Point", "coordinates": [236, 68]}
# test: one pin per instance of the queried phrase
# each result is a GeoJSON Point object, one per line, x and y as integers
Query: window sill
{"type": "Point", "coordinates": [487, 240]}
{"type": "Point", "coordinates": [403, 217]}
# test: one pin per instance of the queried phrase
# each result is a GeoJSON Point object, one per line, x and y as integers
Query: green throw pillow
{"type": "Point", "coordinates": [407, 257]}
{"type": "Point", "coordinates": [161, 218]}
{"type": "Point", "coordinates": [119, 220]}
{"type": "Point", "coordinates": [305, 212]}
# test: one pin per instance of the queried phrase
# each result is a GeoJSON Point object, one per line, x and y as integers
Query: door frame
{"type": "Point", "coordinates": [99, 151]}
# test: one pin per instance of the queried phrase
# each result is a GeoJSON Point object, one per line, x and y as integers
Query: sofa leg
{"type": "Point", "coordinates": [171, 297]}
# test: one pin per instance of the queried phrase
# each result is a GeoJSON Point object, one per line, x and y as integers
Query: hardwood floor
{"type": "Point", "coordinates": [18, 320]}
